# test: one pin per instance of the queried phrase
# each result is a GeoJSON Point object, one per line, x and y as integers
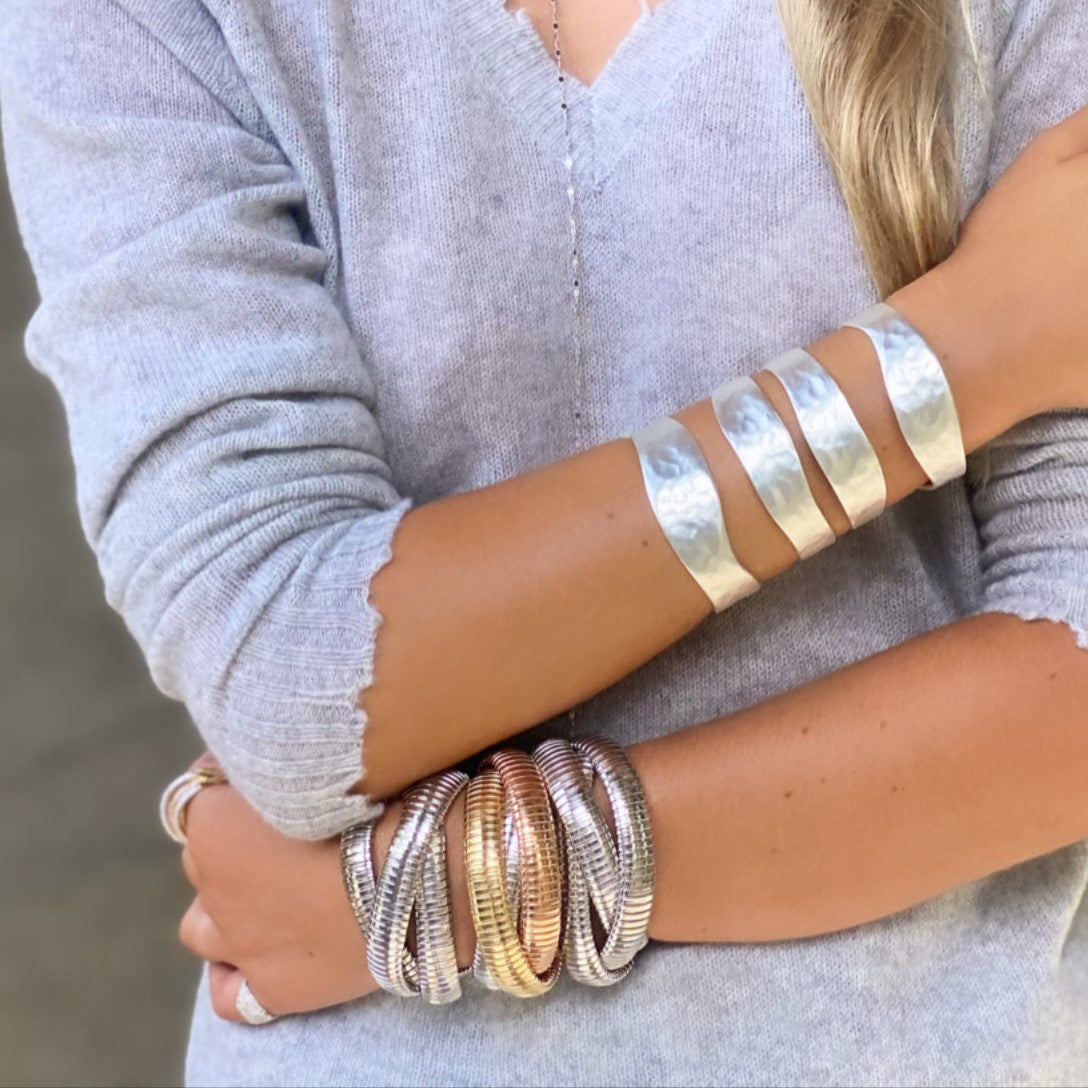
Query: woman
{"type": "Point", "coordinates": [265, 232]}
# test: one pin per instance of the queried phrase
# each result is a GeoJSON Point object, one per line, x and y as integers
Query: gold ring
{"type": "Point", "coordinates": [176, 797]}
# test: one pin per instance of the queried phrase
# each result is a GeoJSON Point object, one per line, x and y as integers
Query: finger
{"type": "Point", "coordinates": [205, 760]}
{"type": "Point", "coordinates": [201, 936]}
{"type": "Point", "coordinates": [224, 982]}
{"type": "Point", "coordinates": [199, 813]}
{"type": "Point", "coordinates": [188, 865]}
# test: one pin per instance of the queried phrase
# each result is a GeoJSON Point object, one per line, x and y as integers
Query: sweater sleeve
{"type": "Point", "coordinates": [1030, 487]}
{"type": "Point", "coordinates": [229, 466]}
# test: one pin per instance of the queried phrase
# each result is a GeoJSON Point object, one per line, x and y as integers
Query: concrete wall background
{"type": "Point", "coordinates": [94, 989]}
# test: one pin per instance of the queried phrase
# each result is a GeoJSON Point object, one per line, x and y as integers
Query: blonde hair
{"type": "Point", "coordinates": [879, 76]}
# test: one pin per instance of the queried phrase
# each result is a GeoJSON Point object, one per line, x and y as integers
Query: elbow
{"type": "Point", "coordinates": [269, 653]}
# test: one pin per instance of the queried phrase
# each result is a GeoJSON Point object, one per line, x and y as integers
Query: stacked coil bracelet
{"type": "Point", "coordinates": [535, 909]}
{"type": "Point", "coordinates": [413, 884]}
{"type": "Point", "coordinates": [541, 868]}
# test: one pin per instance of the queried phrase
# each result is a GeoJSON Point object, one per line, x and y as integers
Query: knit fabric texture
{"type": "Point", "coordinates": [304, 263]}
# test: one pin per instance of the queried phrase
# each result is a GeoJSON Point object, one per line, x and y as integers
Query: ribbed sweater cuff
{"type": "Point", "coordinates": [1059, 602]}
{"type": "Point", "coordinates": [286, 722]}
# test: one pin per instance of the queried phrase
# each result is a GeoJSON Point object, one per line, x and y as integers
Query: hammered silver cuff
{"type": "Point", "coordinates": [686, 504]}
{"type": "Point", "coordinates": [766, 450]}
{"type": "Point", "coordinates": [919, 392]}
{"type": "Point", "coordinates": [840, 445]}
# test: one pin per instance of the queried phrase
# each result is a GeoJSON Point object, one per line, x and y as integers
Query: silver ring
{"type": "Point", "coordinates": [249, 1008]}
{"type": "Point", "coordinates": [179, 793]}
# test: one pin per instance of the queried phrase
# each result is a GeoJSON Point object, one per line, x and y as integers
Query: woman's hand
{"type": "Point", "coordinates": [270, 910]}
{"type": "Point", "coordinates": [273, 910]}
{"type": "Point", "coordinates": [1012, 295]}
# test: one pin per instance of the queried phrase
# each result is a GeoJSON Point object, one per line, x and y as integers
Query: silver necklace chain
{"type": "Point", "coordinates": [572, 209]}
{"type": "Point", "coordinates": [575, 258]}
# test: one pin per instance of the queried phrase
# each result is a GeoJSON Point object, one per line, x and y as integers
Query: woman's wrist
{"type": "Point", "coordinates": [984, 361]}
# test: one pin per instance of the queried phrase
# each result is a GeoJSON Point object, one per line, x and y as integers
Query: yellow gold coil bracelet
{"type": "Point", "coordinates": [540, 896]}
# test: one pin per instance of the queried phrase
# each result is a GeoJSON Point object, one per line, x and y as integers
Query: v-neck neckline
{"type": "Point", "coordinates": [605, 115]}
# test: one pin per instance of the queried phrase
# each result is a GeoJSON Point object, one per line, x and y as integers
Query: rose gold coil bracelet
{"type": "Point", "coordinates": [540, 878]}
{"type": "Point", "coordinates": [497, 937]}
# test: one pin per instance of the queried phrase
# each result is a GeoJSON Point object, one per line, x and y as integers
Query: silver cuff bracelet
{"type": "Point", "coordinates": [833, 433]}
{"type": "Point", "coordinates": [756, 432]}
{"type": "Point", "coordinates": [919, 392]}
{"type": "Point", "coordinates": [689, 511]}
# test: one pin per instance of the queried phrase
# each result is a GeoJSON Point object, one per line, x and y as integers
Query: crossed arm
{"type": "Point", "coordinates": [219, 556]}
{"type": "Point", "coordinates": [527, 597]}
{"type": "Point", "coordinates": [935, 763]}
{"type": "Point", "coordinates": [940, 761]}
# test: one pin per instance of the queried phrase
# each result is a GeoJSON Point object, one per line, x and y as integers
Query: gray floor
{"type": "Point", "coordinates": [93, 987]}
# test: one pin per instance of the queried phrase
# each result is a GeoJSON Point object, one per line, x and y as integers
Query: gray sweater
{"type": "Point", "coordinates": [304, 262]}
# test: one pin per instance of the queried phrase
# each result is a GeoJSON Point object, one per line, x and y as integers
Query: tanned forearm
{"type": "Point", "coordinates": [945, 759]}
{"type": "Point", "coordinates": [950, 757]}
{"type": "Point", "coordinates": [511, 603]}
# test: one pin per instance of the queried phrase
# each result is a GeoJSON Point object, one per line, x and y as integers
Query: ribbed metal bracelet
{"type": "Point", "coordinates": [630, 925]}
{"type": "Point", "coordinates": [540, 885]}
{"type": "Point", "coordinates": [496, 929]}
{"type": "Point", "coordinates": [511, 869]}
{"type": "Point", "coordinates": [588, 839]}
{"type": "Point", "coordinates": [357, 870]}
{"type": "Point", "coordinates": [766, 450]}
{"type": "Point", "coordinates": [423, 811]}
{"type": "Point", "coordinates": [919, 392]}
{"type": "Point", "coordinates": [436, 951]}
{"type": "Point", "coordinates": [591, 861]}
{"type": "Point", "coordinates": [687, 506]}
